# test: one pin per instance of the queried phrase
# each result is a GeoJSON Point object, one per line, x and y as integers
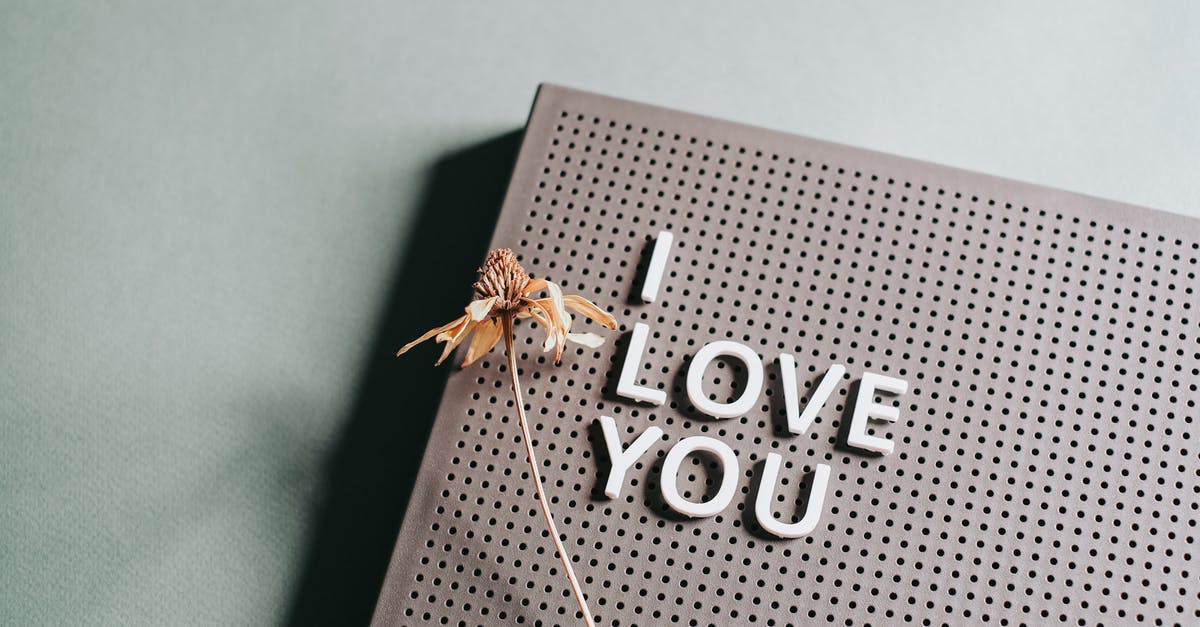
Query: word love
{"type": "Point", "coordinates": [798, 422]}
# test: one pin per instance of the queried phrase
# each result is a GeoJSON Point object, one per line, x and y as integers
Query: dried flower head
{"type": "Point", "coordinates": [505, 287]}
{"type": "Point", "coordinates": [502, 277]}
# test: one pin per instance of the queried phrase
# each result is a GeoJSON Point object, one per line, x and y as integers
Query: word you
{"type": "Point", "coordinates": [798, 421]}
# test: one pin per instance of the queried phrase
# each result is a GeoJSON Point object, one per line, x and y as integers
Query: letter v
{"type": "Point", "coordinates": [798, 423]}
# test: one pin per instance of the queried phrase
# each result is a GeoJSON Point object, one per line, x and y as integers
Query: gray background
{"type": "Point", "coordinates": [208, 213]}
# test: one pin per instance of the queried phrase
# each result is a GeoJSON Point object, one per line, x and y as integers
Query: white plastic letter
{"type": "Point", "coordinates": [754, 381]}
{"type": "Point", "coordinates": [658, 264]}
{"type": "Point", "coordinates": [799, 423]}
{"type": "Point", "coordinates": [623, 460]}
{"type": "Point", "coordinates": [766, 494]}
{"type": "Point", "coordinates": [627, 384]}
{"type": "Point", "coordinates": [670, 476]}
{"type": "Point", "coordinates": [866, 407]}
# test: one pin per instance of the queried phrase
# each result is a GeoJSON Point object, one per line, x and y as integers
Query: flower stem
{"type": "Point", "coordinates": [537, 476]}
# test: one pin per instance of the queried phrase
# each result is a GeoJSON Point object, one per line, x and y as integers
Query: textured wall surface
{"type": "Point", "coordinates": [217, 222]}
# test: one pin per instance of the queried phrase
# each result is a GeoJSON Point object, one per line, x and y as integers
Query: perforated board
{"type": "Point", "coordinates": [1046, 453]}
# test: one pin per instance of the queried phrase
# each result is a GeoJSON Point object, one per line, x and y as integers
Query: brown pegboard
{"type": "Point", "coordinates": [1046, 456]}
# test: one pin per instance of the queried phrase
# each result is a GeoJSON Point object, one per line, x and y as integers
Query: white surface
{"type": "Point", "coordinates": [658, 263]}
{"type": "Point", "coordinates": [865, 407]}
{"type": "Point", "coordinates": [670, 476]}
{"type": "Point", "coordinates": [631, 370]}
{"type": "Point", "coordinates": [798, 423]}
{"type": "Point", "coordinates": [622, 460]}
{"type": "Point", "coordinates": [749, 394]}
{"type": "Point", "coordinates": [766, 496]}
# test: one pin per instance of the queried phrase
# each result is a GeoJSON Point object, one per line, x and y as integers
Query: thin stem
{"type": "Point", "coordinates": [537, 476]}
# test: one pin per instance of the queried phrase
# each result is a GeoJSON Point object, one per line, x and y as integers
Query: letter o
{"type": "Point", "coordinates": [754, 382]}
{"type": "Point", "coordinates": [670, 476]}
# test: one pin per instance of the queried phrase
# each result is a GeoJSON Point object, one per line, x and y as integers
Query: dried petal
{"type": "Point", "coordinates": [590, 310]}
{"type": "Point", "coordinates": [479, 309]}
{"type": "Point", "coordinates": [430, 333]}
{"type": "Point", "coordinates": [559, 319]}
{"type": "Point", "coordinates": [590, 340]}
{"type": "Point", "coordinates": [486, 336]}
{"type": "Point", "coordinates": [463, 333]}
{"type": "Point", "coordinates": [540, 312]}
{"type": "Point", "coordinates": [560, 308]}
{"type": "Point", "coordinates": [534, 285]}
{"type": "Point", "coordinates": [546, 318]}
{"type": "Point", "coordinates": [450, 333]}
{"type": "Point", "coordinates": [533, 309]}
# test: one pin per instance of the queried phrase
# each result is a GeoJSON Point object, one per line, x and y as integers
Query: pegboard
{"type": "Point", "coordinates": [1045, 465]}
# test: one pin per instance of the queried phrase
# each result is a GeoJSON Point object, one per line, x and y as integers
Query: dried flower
{"type": "Point", "coordinates": [504, 288]}
{"type": "Point", "coordinates": [503, 295]}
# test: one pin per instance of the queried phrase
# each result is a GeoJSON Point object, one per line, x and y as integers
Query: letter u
{"type": "Point", "coordinates": [766, 494]}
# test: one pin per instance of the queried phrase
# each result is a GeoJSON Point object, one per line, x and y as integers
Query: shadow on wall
{"type": "Point", "coordinates": [371, 471]}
